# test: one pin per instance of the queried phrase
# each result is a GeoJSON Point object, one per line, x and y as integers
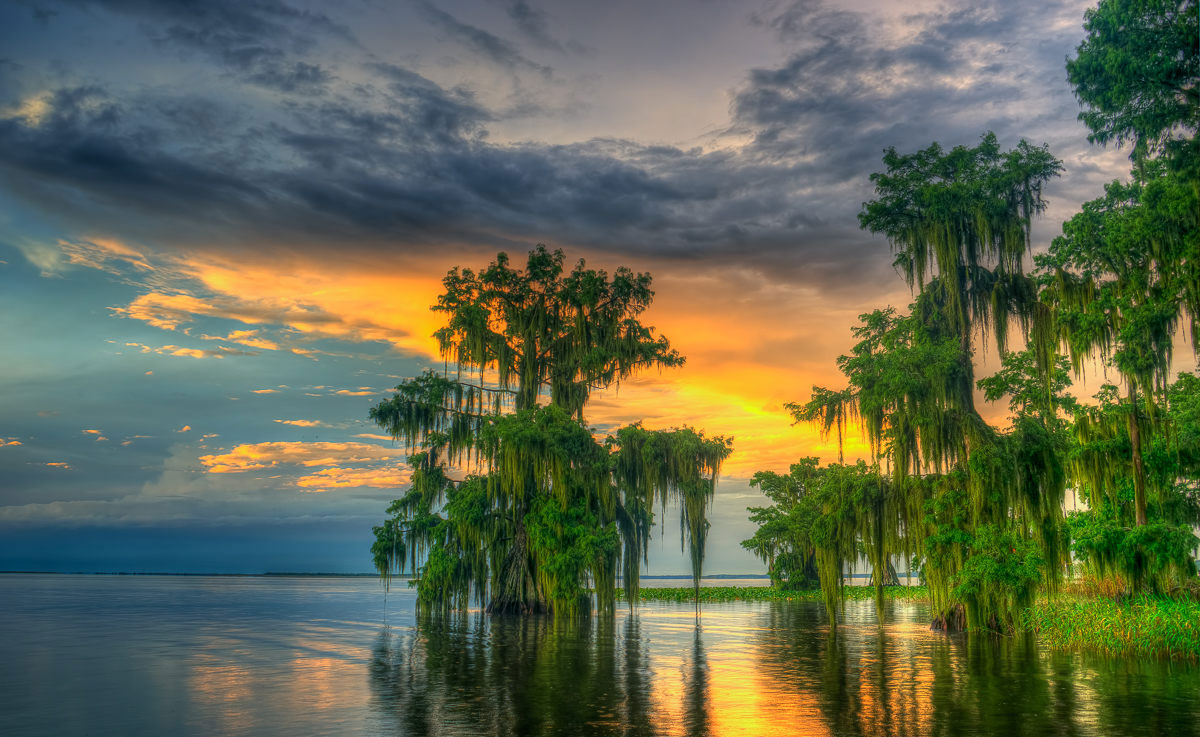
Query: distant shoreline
{"type": "Point", "coordinates": [297, 574]}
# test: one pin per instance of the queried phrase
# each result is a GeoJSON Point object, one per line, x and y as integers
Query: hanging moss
{"type": "Point", "coordinates": [959, 224]}
{"type": "Point", "coordinates": [548, 513]}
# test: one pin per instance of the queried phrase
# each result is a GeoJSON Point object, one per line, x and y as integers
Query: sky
{"type": "Point", "coordinates": [222, 225]}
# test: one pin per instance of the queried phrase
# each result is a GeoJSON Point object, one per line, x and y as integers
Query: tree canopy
{"type": "Point", "coordinates": [544, 513]}
{"type": "Point", "coordinates": [983, 506]}
{"type": "Point", "coordinates": [1136, 72]}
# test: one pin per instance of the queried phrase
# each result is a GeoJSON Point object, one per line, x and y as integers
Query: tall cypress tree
{"type": "Point", "coordinates": [543, 511]}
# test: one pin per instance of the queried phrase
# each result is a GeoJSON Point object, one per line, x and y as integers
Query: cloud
{"type": "Point", "coordinates": [264, 391]}
{"type": "Point", "coordinates": [389, 477]}
{"type": "Point", "coordinates": [59, 464]}
{"type": "Point", "coordinates": [374, 436]}
{"type": "Point", "coordinates": [169, 311]}
{"type": "Point", "coordinates": [105, 254]}
{"type": "Point", "coordinates": [175, 350]}
{"type": "Point", "coordinates": [304, 423]}
{"type": "Point", "coordinates": [10, 442]}
{"type": "Point", "coordinates": [185, 428]}
{"type": "Point", "coordinates": [336, 304]}
{"type": "Point", "coordinates": [484, 43]}
{"type": "Point", "coordinates": [256, 40]}
{"type": "Point", "coordinates": [362, 391]}
{"type": "Point", "coordinates": [534, 24]}
{"type": "Point", "coordinates": [246, 337]}
{"type": "Point", "coordinates": [258, 456]}
{"type": "Point", "coordinates": [400, 158]}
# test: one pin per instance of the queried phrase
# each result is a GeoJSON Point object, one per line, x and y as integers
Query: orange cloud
{"type": "Point", "coordinates": [249, 338]}
{"type": "Point", "coordinates": [264, 391]}
{"type": "Point", "coordinates": [175, 350]}
{"type": "Point", "coordinates": [105, 254]}
{"type": "Point", "coordinates": [338, 478]}
{"type": "Point", "coordinates": [303, 423]}
{"type": "Point", "coordinates": [10, 441]}
{"type": "Point", "coordinates": [59, 464]}
{"type": "Point", "coordinates": [185, 428]}
{"type": "Point", "coordinates": [255, 456]}
{"type": "Point", "coordinates": [752, 343]}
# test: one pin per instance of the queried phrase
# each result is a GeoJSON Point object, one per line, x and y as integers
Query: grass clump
{"type": "Point", "coordinates": [1138, 626]}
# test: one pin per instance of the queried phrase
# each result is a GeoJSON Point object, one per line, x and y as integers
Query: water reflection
{"type": "Point", "coordinates": [695, 689]}
{"type": "Point", "coordinates": [134, 656]}
{"type": "Point", "coordinates": [902, 680]}
{"type": "Point", "coordinates": [767, 669]}
{"type": "Point", "coordinates": [470, 674]}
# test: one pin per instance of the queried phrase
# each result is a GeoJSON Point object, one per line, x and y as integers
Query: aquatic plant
{"type": "Point", "coordinates": [1139, 626]}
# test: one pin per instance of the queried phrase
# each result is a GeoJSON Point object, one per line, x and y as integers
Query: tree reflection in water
{"type": "Point", "coordinates": [468, 674]}
{"type": "Point", "coordinates": [754, 669]}
{"type": "Point", "coordinates": [696, 719]}
{"type": "Point", "coordinates": [870, 680]}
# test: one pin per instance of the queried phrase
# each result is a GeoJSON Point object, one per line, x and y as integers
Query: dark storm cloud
{"type": "Point", "coordinates": [258, 39]}
{"type": "Point", "coordinates": [488, 45]}
{"type": "Point", "coordinates": [532, 22]}
{"type": "Point", "coordinates": [846, 92]}
{"type": "Point", "coordinates": [399, 157]}
{"type": "Point", "coordinates": [86, 143]}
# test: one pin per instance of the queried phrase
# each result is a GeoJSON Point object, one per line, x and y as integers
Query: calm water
{"type": "Point", "coordinates": [119, 655]}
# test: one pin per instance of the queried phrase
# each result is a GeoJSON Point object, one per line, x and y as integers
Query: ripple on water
{"type": "Point", "coordinates": [120, 655]}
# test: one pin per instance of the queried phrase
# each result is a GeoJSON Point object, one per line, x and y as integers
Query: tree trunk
{"type": "Point", "coordinates": [1139, 468]}
{"type": "Point", "coordinates": [516, 589]}
{"type": "Point", "coordinates": [952, 621]}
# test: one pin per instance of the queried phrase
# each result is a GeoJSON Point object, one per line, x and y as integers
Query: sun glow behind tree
{"type": "Point", "coordinates": [550, 511]}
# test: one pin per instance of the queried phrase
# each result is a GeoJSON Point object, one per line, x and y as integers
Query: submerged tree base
{"type": "Point", "coordinates": [951, 622]}
{"type": "Point", "coordinates": [517, 607]}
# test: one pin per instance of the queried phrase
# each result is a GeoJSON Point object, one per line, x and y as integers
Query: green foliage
{"type": "Point", "coordinates": [548, 512]}
{"type": "Point", "coordinates": [1141, 626]}
{"type": "Point", "coordinates": [964, 216]}
{"type": "Point", "coordinates": [999, 576]}
{"type": "Point", "coordinates": [1126, 270]}
{"type": "Point", "coordinates": [958, 490]}
{"type": "Point", "coordinates": [783, 539]}
{"type": "Point", "coordinates": [1136, 71]}
{"type": "Point", "coordinates": [981, 506]}
{"type": "Point", "coordinates": [953, 478]}
{"type": "Point", "coordinates": [1156, 556]}
{"type": "Point", "coordinates": [1117, 279]}
{"type": "Point", "coordinates": [833, 410]}
{"type": "Point", "coordinates": [1106, 537]}
{"type": "Point", "coordinates": [1030, 392]}
{"type": "Point", "coordinates": [545, 331]}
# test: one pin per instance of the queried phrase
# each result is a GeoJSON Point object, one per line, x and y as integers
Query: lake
{"type": "Point", "coordinates": [182, 655]}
